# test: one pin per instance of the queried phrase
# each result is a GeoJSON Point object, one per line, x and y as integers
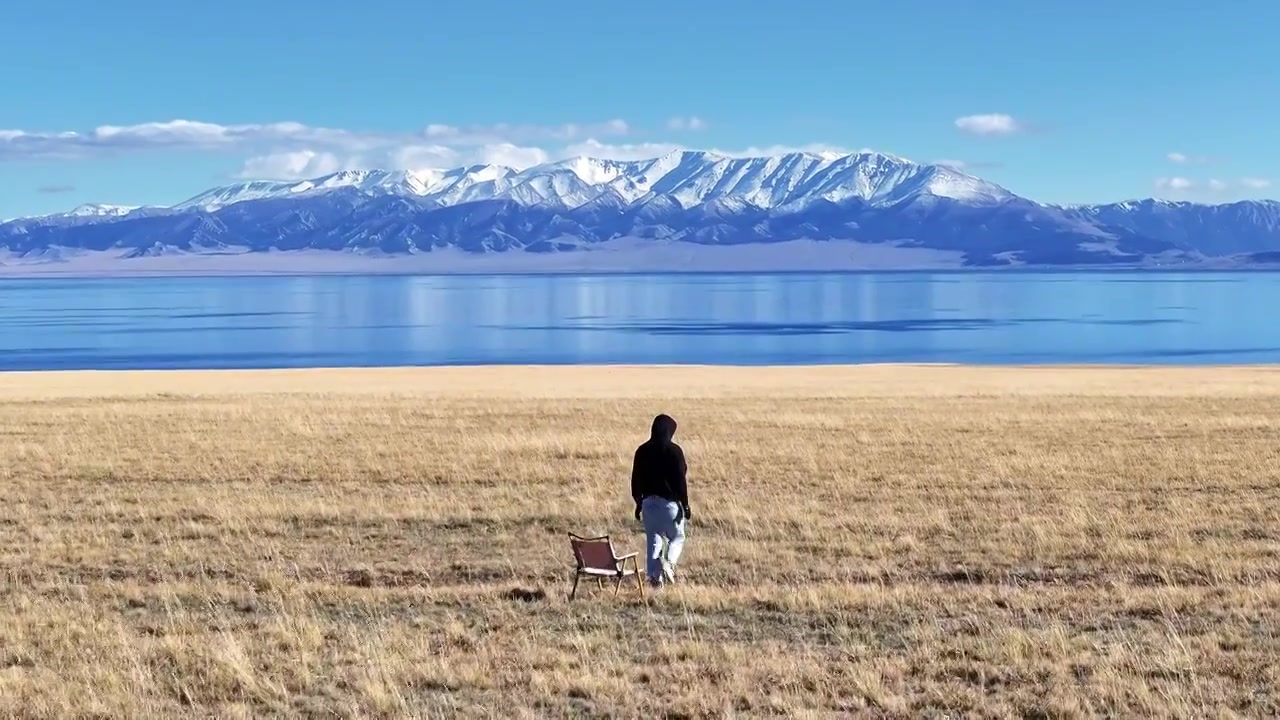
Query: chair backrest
{"type": "Point", "coordinates": [594, 553]}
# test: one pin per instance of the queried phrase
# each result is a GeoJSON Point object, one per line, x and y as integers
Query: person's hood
{"type": "Point", "coordinates": [664, 428]}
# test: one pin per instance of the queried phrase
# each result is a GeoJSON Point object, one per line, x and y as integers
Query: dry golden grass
{"type": "Point", "coordinates": [878, 541]}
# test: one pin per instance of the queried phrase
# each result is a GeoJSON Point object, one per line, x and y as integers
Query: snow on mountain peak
{"type": "Point", "coordinates": [949, 183]}
{"type": "Point", "coordinates": [592, 171]}
{"type": "Point", "coordinates": [220, 197]}
{"type": "Point", "coordinates": [689, 177]}
{"type": "Point", "coordinates": [100, 210]}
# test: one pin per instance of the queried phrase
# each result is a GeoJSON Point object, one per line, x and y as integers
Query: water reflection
{"type": "Point", "coordinates": [741, 319]}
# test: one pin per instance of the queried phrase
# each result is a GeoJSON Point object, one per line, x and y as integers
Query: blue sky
{"type": "Point", "coordinates": [1084, 101]}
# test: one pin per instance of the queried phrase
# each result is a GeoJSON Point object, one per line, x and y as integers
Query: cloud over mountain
{"type": "Point", "coordinates": [990, 124]}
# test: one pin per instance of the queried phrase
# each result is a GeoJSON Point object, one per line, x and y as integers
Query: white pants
{"type": "Point", "coordinates": [663, 520]}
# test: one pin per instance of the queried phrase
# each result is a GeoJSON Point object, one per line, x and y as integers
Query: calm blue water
{"type": "Point", "coordinates": [739, 319]}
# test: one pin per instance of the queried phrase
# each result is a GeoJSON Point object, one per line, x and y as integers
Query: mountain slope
{"type": "Point", "coordinates": [682, 197]}
{"type": "Point", "coordinates": [1235, 228]}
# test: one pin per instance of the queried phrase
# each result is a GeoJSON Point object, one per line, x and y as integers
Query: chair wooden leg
{"type": "Point", "coordinates": [617, 585]}
{"type": "Point", "coordinates": [574, 591]}
{"type": "Point", "coordinates": [599, 584]}
{"type": "Point", "coordinates": [639, 581]}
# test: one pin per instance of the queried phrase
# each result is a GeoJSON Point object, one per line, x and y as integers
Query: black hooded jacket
{"type": "Point", "coordinates": [659, 467]}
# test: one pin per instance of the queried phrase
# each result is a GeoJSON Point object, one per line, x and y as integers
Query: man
{"type": "Point", "coordinates": [662, 499]}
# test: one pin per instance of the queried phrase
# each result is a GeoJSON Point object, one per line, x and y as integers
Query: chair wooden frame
{"type": "Point", "coordinates": [597, 558]}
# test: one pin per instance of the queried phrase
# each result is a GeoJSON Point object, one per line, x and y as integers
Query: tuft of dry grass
{"type": "Point", "coordinates": [868, 541]}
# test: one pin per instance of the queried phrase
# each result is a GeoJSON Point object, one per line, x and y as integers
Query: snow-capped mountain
{"type": "Point", "coordinates": [697, 198]}
{"type": "Point", "coordinates": [690, 178]}
{"type": "Point", "coordinates": [98, 210]}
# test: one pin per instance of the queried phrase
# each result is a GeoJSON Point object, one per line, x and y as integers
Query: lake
{"type": "Point", "coordinates": [951, 317]}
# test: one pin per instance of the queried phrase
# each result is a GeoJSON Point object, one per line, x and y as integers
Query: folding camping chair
{"type": "Point", "coordinates": [596, 558]}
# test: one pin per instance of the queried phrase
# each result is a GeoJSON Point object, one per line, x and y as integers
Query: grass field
{"type": "Point", "coordinates": [875, 541]}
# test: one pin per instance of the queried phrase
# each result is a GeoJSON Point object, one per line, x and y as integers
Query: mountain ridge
{"type": "Point", "coordinates": [690, 176]}
{"type": "Point", "coordinates": [685, 196]}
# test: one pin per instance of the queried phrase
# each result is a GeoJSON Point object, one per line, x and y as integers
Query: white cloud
{"type": "Point", "coordinates": [632, 151]}
{"type": "Point", "coordinates": [617, 127]}
{"type": "Point", "coordinates": [504, 133]}
{"type": "Point", "coordinates": [176, 134]}
{"type": "Point", "coordinates": [441, 131]}
{"type": "Point", "coordinates": [1215, 186]}
{"type": "Point", "coordinates": [290, 165]}
{"type": "Point", "coordinates": [512, 155]}
{"type": "Point", "coordinates": [423, 157]}
{"type": "Point", "coordinates": [990, 124]}
{"type": "Point", "coordinates": [1180, 158]}
{"type": "Point", "coordinates": [443, 157]}
{"type": "Point", "coordinates": [692, 123]}
{"type": "Point", "coordinates": [954, 164]}
{"type": "Point", "coordinates": [291, 150]}
{"type": "Point", "coordinates": [276, 138]}
{"type": "Point", "coordinates": [813, 148]}
{"type": "Point", "coordinates": [1175, 184]}
{"type": "Point", "coordinates": [645, 151]}
{"type": "Point", "coordinates": [183, 132]}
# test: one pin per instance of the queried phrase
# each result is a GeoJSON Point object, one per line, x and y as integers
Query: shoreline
{"type": "Point", "coordinates": [655, 381]}
{"type": "Point", "coordinates": [18, 273]}
{"type": "Point", "coordinates": [664, 366]}
{"type": "Point", "coordinates": [614, 257]}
